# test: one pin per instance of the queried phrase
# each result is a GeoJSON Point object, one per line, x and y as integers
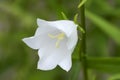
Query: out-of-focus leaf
{"type": "Point", "coordinates": [114, 77]}
{"type": "Point", "coordinates": [108, 28]}
{"type": "Point", "coordinates": [108, 65]}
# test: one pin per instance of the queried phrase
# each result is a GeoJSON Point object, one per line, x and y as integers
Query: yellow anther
{"type": "Point", "coordinates": [51, 36]}
{"type": "Point", "coordinates": [59, 37]}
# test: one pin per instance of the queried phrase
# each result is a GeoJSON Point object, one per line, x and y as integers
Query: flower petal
{"type": "Point", "coordinates": [43, 28]}
{"type": "Point", "coordinates": [36, 42]}
{"type": "Point", "coordinates": [66, 63]}
{"type": "Point", "coordinates": [46, 62]}
{"type": "Point", "coordinates": [72, 41]}
{"type": "Point", "coordinates": [32, 42]}
{"type": "Point", "coordinates": [50, 56]}
{"type": "Point", "coordinates": [66, 26]}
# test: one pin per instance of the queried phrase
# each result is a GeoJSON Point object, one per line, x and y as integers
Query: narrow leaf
{"type": "Point", "coordinates": [108, 28]}
{"type": "Point", "coordinates": [81, 3]}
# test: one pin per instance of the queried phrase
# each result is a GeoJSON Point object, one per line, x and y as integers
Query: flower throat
{"type": "Point", "coordinates": [59, 37]}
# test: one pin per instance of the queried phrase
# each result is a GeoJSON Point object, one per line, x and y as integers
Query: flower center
{"type": "Point", "coordinates": [59, 37]}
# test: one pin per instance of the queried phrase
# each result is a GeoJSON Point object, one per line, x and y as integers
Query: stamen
{"type": "Point", "coordinates": [59, 37]}
{"type": "Point", "coordinates": [57, 44]}
{"type": "Point", "coordinates": [52, 36]}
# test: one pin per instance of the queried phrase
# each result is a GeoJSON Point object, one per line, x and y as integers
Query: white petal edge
{"type": "Point", "coordinates": [43, 27]}
{"type": "Point", "coordinates": [31, 42]}
{"type": "Point", "coordinates": [48, 61]}
{"type": "Point", "coordinates": [72, 40]}
{"type": "Point", "coordinates": [66, 63]}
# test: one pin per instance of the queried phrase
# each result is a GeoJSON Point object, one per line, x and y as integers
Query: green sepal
{"type": "Point", "coordinates": [75, 18]}
{"type": "Point", "coordinates": [80, 29]}
{"type": "Point", "coordinates": [64, 16]}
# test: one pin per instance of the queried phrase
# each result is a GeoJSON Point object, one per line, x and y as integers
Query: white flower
{"type": "Point", "coordinates": [55, 41]}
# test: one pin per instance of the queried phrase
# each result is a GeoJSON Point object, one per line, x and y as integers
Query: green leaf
{"type": "Point", "coordinates": [75, 18]}
{"type": "Point", "coordinates": [64, 16]}
{"type": "Point", "coordinates": [79, 27]}
{"type": "Point", "coordinates": [108, 65]}
{"type": "Point", "coordinates": [81, 3]}
{"type": "Point", "coordinates": [108, 28]}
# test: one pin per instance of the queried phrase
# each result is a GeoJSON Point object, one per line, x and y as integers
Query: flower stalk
{"type": "Point", "coordinates": [83, 43]}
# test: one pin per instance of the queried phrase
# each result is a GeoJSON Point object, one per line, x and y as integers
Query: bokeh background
{"type": "Point", "coordinates": [18, 20]}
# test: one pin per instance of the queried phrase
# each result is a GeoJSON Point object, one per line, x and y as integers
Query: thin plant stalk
{"type": "Point", "coordinates": [83, 43]}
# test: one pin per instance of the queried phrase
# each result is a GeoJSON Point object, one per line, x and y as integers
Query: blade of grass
{"type": "Point", "coordinates": [105, 26]}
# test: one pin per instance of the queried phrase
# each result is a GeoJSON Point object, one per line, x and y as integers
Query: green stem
{"type": "Point", "coordinates": [83, 43]}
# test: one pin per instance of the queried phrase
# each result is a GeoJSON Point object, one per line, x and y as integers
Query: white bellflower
{"type": "Point", "coordinates": [55, 41]}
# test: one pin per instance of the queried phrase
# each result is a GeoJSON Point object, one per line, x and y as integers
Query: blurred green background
{"type": "Point", "coordinates": [18, 20]}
